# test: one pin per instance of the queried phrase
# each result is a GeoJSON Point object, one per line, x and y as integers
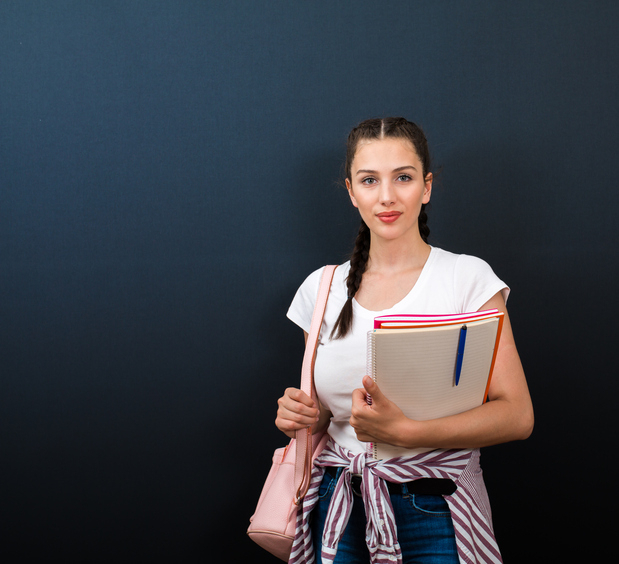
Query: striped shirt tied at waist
{"type": "Point", "coordinates": [469, 505]}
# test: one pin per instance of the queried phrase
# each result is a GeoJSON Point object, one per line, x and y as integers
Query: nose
{"type": "Point", "coordinates": [387, 195]}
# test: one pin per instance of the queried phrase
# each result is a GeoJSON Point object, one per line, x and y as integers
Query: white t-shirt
{"type": "Point", "coordinates": [448, 283]}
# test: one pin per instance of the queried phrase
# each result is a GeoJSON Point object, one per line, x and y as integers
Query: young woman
{"type": "Point", "coordinates": [431, 508]}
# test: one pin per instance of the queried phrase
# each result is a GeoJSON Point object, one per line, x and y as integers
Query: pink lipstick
{"type": "Point", "coordinates": [388, 217]}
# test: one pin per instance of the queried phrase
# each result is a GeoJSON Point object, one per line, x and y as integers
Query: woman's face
{"type": "Point", "coordinates": [387, 186]}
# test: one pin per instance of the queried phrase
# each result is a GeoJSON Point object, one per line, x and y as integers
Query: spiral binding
{"type": "Point", "coordinates": [370, 366]}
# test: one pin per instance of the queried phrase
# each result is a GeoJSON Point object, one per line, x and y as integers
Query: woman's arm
{"type": "Point", "coordinates": [508, 416]}
{"type": "Point", "coordinates": [297, 411]}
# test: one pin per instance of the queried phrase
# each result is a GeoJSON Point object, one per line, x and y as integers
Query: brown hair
{"type": "Point", "coordinates": [393, 127]}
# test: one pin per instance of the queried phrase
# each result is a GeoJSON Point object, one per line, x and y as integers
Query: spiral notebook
{"type": "Point", "coordinates": [433, 368]}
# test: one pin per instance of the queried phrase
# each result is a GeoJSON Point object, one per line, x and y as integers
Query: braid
{"type": "Point", "coordinates": [424, 230]}
{"type": "Point", "coordinates": [358, 260]}
{"type": "Point", "coordinates": [358, 263]}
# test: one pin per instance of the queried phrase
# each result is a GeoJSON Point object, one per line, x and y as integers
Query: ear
{"type": "Point", "coordinates": [427, 191]}
{"type": "Point", "coordinates": [349, 188]}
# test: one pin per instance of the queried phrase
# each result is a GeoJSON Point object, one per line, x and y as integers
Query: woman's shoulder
{"type": "Point", "coordinates": [459, 261]}
{"type": "Point", "coordinates": [302, 305]}
{"type": "Point", "coordinates": [312, 281]}
{"type": "Point", "coordinates": [474, 280]}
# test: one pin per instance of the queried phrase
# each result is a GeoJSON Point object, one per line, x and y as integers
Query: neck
{"type": "Point", "coordinates": [397, 255]}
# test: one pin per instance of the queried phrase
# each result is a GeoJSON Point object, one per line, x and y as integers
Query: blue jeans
{"type": "Point", "coordinates": [425, 529]}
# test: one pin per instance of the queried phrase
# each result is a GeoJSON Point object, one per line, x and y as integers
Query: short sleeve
{"type": "Point", "coordinates": [302, 307]}
{"type": "Point", "coordinates": [475, 283]}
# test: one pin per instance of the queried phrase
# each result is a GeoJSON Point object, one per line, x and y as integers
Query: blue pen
{"type": "Point", "coordinates": [460, 356]}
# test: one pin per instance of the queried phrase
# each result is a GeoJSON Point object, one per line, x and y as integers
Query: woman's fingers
{"type": "Point", "coordinates": [296, 411]}
{"type": "Point", "coordinates": [374, 417]}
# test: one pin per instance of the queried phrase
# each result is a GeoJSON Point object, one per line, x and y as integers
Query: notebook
{"type": "Point", "coordinates": [416, 365]}
{"type": "Point", "coordinates": [400, 321]}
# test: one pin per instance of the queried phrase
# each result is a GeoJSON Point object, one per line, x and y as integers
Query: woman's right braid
{"type": "Point", "coordinates": [358, 260]}
{"type": "Point", "coordinates": [358, 263]}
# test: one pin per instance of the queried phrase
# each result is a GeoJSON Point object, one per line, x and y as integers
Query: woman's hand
{"type": "Point", "coordinates": [296, 411]}
{"type": "Point", "coordinates": [380, 421]}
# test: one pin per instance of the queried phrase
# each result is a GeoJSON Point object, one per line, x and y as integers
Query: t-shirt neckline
{"type": "Point", "coordinates": [358, 308]}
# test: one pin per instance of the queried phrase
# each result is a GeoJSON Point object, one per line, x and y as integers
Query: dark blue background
{"type": "Point", "coordinates": [170, 171]}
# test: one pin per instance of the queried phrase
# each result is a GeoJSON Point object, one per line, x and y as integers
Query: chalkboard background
{"type": "Point", "coordinates": [170, 171]}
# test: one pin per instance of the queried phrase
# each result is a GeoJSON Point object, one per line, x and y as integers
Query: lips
{"type": "Point", "coordinates": [388, 217]}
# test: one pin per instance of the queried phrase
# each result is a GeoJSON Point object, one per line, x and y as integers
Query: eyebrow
{"type": "Point", "coordinates": [400, 168]}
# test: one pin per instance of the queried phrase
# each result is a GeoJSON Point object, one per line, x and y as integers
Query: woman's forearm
{"type": "Point", "coordinates": [495, 422]}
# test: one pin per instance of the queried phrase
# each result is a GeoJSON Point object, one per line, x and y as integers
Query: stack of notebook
{"type": "Point", "coordinates": [432, 366]}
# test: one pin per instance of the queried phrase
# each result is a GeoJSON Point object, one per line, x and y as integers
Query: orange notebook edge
{"type": "Point", "coordinates": [501, 316]}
